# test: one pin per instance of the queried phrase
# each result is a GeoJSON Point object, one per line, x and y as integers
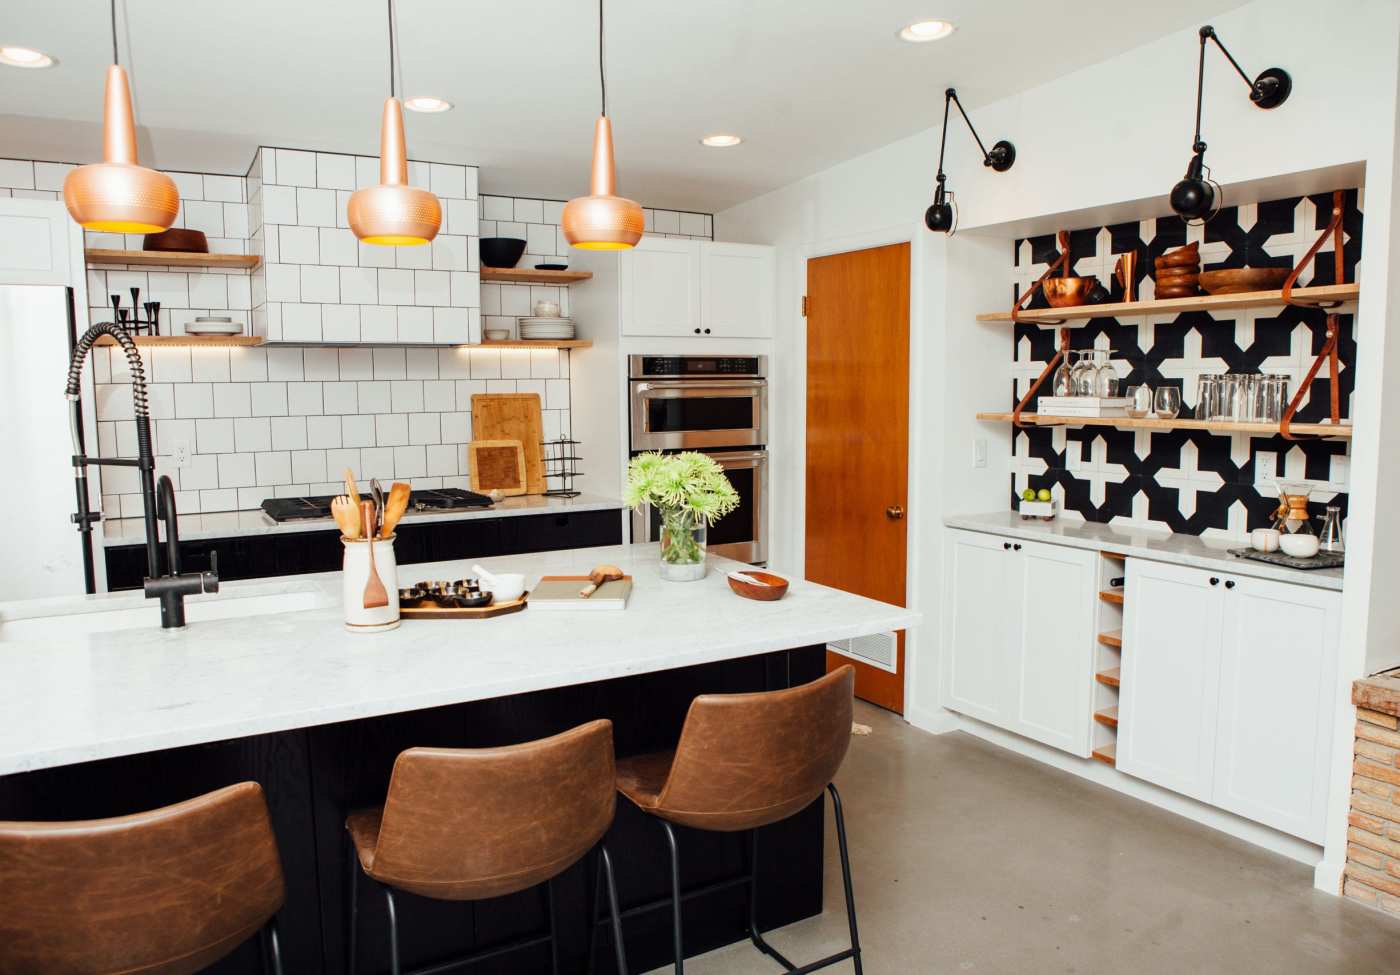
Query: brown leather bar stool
{"type": "Point", "coordinates": [745, 761]}
{"type": "Point", "coordinates": [165, 892]}
{"type": "Point", "coordinates": [468, 824]}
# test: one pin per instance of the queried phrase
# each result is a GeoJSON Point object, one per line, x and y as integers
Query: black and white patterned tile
{"type": "Point", "coordinates": [1190, 481]}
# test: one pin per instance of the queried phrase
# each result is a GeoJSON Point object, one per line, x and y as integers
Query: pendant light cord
{"type": "Point", "coordinates": [602, 77]}
{"type": "Point", "coordinates": [115, 60]}
{"type": "Point", "coordinates": [392, 90]}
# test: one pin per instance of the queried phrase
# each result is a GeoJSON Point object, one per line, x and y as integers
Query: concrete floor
{"type": "Point", "coordinates": [969, 858]}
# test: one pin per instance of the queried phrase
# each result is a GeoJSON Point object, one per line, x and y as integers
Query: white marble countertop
{"type": "Point", "coordinates": [1141, 543]}
{"type": "Point", "coordinates": [70, 696]}
{"type": "Point", "coordinates": [229, 524]}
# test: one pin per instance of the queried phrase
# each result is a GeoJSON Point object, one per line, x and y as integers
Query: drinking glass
{"type": "Point", "coordinates": [1105, 376]}
{"type": "Point", "coordinates": [1248, 399]}
{"type": "Point", "coordinates": [1083, 376]}
{"type": "Point", "coordinates": [1229, 397]}
{"type": "Point", "coordinates": [1273, 398]}
{"type": "Point", "coordinates": [1141, 405]}
{"type": "Point", "coordinates": [1167, 403]}
{"type": "Point", "coordinates": [1064, 384]}
{"type": "Point", "coordinates": [1207, 397]}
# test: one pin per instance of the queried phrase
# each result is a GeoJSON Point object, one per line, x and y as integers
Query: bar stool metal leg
{"type": "Point", "coordinates": [353, 900]}
{"type": "Point", "coordinates": [275, 943]}
{"type": "Point", "coordinates": [393, 931]}
{"type": "Point", "coordinates": [846, 875]}
{"type": "Point", "coordinates": [618, 950]}
{"type": "Point", "coordinates": [754, 936]}
{"type": "Point", "coordinates": [675, 895]}
{"type": "Point", "coordinates": [594, 903]}
{"type": "Point", "coordinates": [553, 929]}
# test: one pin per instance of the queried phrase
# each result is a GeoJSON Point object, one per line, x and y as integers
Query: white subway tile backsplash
{"type": "Point", "coordinates": [279, 205]}
{"type": "Point", "coordinates": [406, 396]}
{"type": "Point", "coordinates": [447, 181]}
{"type": "Point", "coordinates": [334, 171]}
{"type": "Point", "coordinates": [375, 255]}
{"type": "Point", "coordinates": [213, 436]}
{"type": "Point", "coordinates": [449, 253]}
{"type": "Point", "coordinates": [301, 322]}
{"type": "Point", "coordinates": [390, 364]}
{"type": "Point", "coordinates": [391, 429]}
{"type": "Point", "coordinates": [374, 396]}
{"type": "Point", "coordinates": [322, 432]}
{"type": "Point", "coordinates": [296, 168]}
{"type": "Point", "coordinates": [451, 325]}
{"type": "Point", "coordinates": [457, 427]}
{"type": "Point", "coordinates": [273, 468]}
{"type": "Point", "coordinates": [439, 396]}
{"type": "Point", "coordinates": [395, 286]}
{"type": "Point", "coordinates": [339, 247]}
{"type": "Point", "coordinates": [284, 364]}
{"type": "Point", "coordinates": [357, 431]}
{"type": "Point", "coordinates": [666, 221]}
{"type": "Point", "coordinates": [194, 400]}
{"type": "Point", "coordinates": [210, 290]}
{"type": "Point", "coordinates": [418, 174]}
{"type": "Point", "coordinates": [356, 363]}
{"type": "Point", "coordinates": [232, 399]}
{"type": "Point", "coordinates": [168, 288]}
{"type": "Point", "coordinates": [340, 323]}
{"type": "Point", "coordinates": [319, 284]}
{"type": "Point", "coordinates": [303, 399]}
{"type": "Point", "coordinates": [316, 207]}
{"type": "Point", "coordinates": [442, 460]}
{"type": "Point", "coordinates": [228, 189]}
{"type": "Point", "coordinates": [415, 324]}
{"type": "Point", "coordinates": [410, 462]}
{"type": "Point", "coordinates": [269, 399]}
{"type": "Point", "coordinates": [209, 365]}
{"type": "Point", "coordinates": [288, 432]}
{"type": "Point", "coordinates": [414, 258]}
{"type": "Point", "coordinates": [299, 245]}
{"type": "Point", "coordinates": [190, 186]}
{"type": "Point", "coordinates": [309, 465]}
{"type": "Point", "coordinates": [236, 470]}
{"type": "Point", "coordinates": [203, 216]}
{"type": "Point", "coordinates": [432, 288]}
{"type": "Point", "coordinates": [366, 171]}
{"type": "Point", "coordinates": [340, 397]}
{"type": "Point", "coordinates": [462, 218]}
{"type": "Point", "coordinates": [251, 434]}
{"type": "Point", "coordinates": [497, 208]}
{"type": "Point", "coordinates": [320, 365]}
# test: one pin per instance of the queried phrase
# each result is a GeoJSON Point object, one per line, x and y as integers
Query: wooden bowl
{"type": "Point", "coordinates": [775, 588]}
{"type": "Point", "coordinates": [1239, 280]}
{"type": "Point", "coordinates": [1068, 292]}
{"type": "Point", "coordinates": [177, 239]}
{"type": "Point", "coordinates": [1190, 254]}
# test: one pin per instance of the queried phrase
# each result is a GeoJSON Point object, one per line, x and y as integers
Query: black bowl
{"type": "Point", "coordinates": [501, 251]}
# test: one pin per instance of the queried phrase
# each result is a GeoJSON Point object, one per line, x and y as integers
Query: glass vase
{"type": "Point", "coordinates": [682, 545]}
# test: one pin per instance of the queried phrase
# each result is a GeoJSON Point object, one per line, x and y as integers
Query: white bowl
{"type": "Point", "coordinates": [1264, 539]}
{"type": "Point", "coordinates": [507, 586]}
{"type": "Point", "coordinates": [546, 308]}
{"type": "Point", "coordinates": [1299, 546]}
{"type": "Point", "coordinates": [498, 335]}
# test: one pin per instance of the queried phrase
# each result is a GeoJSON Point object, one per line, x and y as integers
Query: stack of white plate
{"type": "Point", "coordinates": [535, 328]}
{"type": "Point", "coordinates": [213, 325]}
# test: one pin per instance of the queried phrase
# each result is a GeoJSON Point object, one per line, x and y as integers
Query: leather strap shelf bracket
{"type": "Point", "coordinates": [1329, 348]}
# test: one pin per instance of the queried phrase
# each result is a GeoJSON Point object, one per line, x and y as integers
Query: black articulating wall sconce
{"type": "Point", "coordinates": [942, 217]}
{"type": "Point", "coordinates": [1196, 196]}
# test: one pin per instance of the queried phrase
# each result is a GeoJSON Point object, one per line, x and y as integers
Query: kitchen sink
{"type": "Point", "coordinates": [58, 618]}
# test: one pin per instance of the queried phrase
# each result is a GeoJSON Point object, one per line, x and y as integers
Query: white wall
{"type": "Point", "coordinates": [1107, 142]}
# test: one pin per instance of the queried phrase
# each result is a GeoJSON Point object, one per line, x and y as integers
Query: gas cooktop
{"type": "Point", "coordinates": [319, 507]}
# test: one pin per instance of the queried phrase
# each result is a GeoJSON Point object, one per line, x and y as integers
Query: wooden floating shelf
{"type": "Point", "coordinates": [533, 344]}
{"type": "Point", "coordinates": [1332, 430]}
{"type": "Point", "coordinates": [1108, 717]}
{"type": "Point", "coordinates": [1176, 306]}
{"type": "Point", "coordinates": [190, 341]}
{"type": "Point", "coordinates": [1113, 638]}
{"type": "Point", "coordinates": [243, 262]}
{"type": "Point", "coordinates": [1110, 678]}
{"type": "Point", "coordinates": [1108, 754]}
{"type": "Point", "coordinates": [1112, 596]}
{"type": "Point", "coordinates": [521, 275]}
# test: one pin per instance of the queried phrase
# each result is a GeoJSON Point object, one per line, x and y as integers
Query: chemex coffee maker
{"type": "Point", "coordinates": [1294, 522]}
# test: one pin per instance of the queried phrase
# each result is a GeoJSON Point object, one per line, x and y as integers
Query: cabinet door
{"type": "Point", "coordinates": [1167, 703]}
{"type": "Point", "coordinates": [659, 281]}
{"type": "Point", "coordinates": [736, 290]}
{"type": "Point", "coordinates": [978, 621]}
{"type": "Point", "coordinates": [39, 244]}
{"type": "Point", "coordinates": [1277, 697]}
{"type": "Point", "coordinates": [1052, 647]}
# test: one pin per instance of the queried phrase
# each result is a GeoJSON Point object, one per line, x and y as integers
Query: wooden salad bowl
{"type": "Point", "coordinates": [771, 587]}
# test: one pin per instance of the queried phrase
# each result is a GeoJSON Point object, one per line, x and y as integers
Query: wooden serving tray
{"type": "Point", "coordinates": [432, 611]}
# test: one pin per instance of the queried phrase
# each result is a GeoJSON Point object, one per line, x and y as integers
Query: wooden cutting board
{"type": "Point", "coordinates": [513, 416]}
{"type": "Point", "coordinates": [497, 465]}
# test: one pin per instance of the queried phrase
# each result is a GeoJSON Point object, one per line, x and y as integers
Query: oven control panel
{"type": "Point", "coordinates": [681, 366]}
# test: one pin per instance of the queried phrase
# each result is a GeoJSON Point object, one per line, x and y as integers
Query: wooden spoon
{"type": "Point", "coordinates": [394, 508]}
{"type": "Point", "coordinates": [350, 488]}
{"type": "Point", "coordinates": [375, 594]}
{"type": "Point", "coordinates": [600, 575]}
{"type": "Point", "coordinates": [346, 516]}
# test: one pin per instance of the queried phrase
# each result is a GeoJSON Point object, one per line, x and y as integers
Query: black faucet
{"type": "Point", "coordinates": [172, 587]}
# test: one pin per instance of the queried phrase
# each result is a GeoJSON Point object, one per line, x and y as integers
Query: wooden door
{"type": "Point", "coordinates": [858, 436]}
{"type": "Point", "coordinates": [1168, 700]}
{"type": "Point", "coordinates": [1278, 668]}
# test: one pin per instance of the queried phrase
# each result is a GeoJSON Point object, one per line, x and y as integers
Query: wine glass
{"type": "Point", "coordinates": [1167, 403]}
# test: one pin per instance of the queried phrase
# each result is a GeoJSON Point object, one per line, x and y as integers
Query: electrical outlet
{"type": "Point", "coordinates": [979, 452]}
{"type": "Point", "coordinates": [180, 453]}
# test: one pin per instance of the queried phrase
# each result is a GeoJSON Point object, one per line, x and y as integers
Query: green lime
{"type": "Point", "coordinates": [1028, 494]}
{"type": "Point", "coordinates": [1044, 495]}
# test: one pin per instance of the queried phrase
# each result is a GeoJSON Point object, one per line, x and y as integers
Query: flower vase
{"type": "Point", "coordinates": [682, 545]}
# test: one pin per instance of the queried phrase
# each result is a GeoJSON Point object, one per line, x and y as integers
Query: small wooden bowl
{"type": "Point", "coordinates": [776, 587]}
{"type": "Point", "coordinates": [1233, 281]}
{"type": "Point", "coordinates": [177, 239]}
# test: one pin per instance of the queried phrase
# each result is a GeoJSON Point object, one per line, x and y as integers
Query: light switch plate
{"type": "Point", "coordinates": [979, 452]}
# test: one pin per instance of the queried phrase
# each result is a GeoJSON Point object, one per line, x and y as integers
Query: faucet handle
{"type": "Point", "coordinates": [210, 579]}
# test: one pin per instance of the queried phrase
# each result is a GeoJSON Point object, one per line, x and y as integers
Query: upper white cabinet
{"type": "Point", "coordinates": [736, 290]}
{"type": "Point", "coordinates": [39, 244]}
{"type": "Point", "coordinates": [1019, 637]}
{"type": "Point", "coordinates": [1228, 691]}
{"type": "Point", "coordinates": [691, 287]}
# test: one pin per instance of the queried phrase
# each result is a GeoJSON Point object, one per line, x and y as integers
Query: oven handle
{"type": "Point", "coordinates": [728, 384]}
{"type": "Point", "coordinates": [742, 455]}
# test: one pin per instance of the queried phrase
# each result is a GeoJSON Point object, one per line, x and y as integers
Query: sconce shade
{"type": "Point", "coordinates": [602, 220]}
{"type": "Point", "coordinates": [394, 213]}
{"type": "Point", "coordinates": [117, 195]}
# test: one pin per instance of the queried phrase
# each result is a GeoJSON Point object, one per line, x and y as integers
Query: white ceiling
{"type": "Point", "coordinates": [808, 83]}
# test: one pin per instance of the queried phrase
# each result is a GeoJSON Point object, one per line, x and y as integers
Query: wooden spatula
{"type": "Point", "coordinates": [375, 594]}
{"type": "Point", "coordinates": [394, 508]}
{"type": "Point", "coordinates": [351, 491]}
{"type": "Point", "coordinates": [346, 515]}
{"type": "Point", "coordinates": [600, 575]}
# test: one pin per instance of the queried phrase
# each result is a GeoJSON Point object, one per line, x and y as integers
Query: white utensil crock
{"type": "Point", "coordinates": [355, 574]}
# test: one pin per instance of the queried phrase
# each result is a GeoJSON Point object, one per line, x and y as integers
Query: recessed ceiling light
{"type": "Point", "coordinates": [721, 140]}
{"type": "Point", "coordinates": [926, 30]}
{"type": "Point", "coordinates": [24, 57]}
{"type": "Point", "coordinates": [426, 103]}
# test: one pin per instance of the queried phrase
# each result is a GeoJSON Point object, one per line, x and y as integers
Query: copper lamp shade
{"type": "Point", "coordinates": [603, 221]}
{"type": "Point", "coordinates": [394, 213]}
{"type": "Point", "coordinates": [117, 195]}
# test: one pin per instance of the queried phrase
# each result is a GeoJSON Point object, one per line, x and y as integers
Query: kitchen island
{"type": "Point", "coordinates": [106, 714]}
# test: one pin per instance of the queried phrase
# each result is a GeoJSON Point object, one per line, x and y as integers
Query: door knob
{"type": "Point", "coordinates": [894, 512]}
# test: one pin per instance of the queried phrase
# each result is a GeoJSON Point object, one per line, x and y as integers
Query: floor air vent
{"type": "Point", "coordinates": [879, 650]}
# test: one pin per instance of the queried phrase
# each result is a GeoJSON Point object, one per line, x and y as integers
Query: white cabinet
{"type": "Point", "coordinates": [39, 243]}
{"type": "Point", "coordinates": [696, 288]}
{"type": "Point", "coordinates": [1019, 637]}
{"type": "Point", "coordinates": [1227, 691]}
{"type": "Point", "coordinates": [736, 290]}
{"type": "Point", "coordinates": [659, 284]}
{"type": "Point", "coordinates": [1170, 676]}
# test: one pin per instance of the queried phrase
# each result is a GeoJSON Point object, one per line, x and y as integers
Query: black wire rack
{"type": "Point", "coordinates": [561, 466]}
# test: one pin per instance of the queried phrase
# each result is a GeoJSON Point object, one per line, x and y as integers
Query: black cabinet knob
{"type": "Point", "coordinates": [1006, 545]}
{"type": "Point", "coordinates": [697, 331]}
{"type": "Point", "coordinates": [707, 331]}
{"type": "Point", "coordinates": [1214, 581]}
{"type": "Point", "coordinates": [1230, 584]}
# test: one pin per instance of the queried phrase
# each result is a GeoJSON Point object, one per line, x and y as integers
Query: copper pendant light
{"type": "Point", "coordinates": [393, 213]}
{"type": "Point", "coordinates": [602, 220]}
{"type": "Point", "coordinates": [117, 195]}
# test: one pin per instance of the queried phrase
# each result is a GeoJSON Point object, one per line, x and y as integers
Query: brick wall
{"type": "Point", "coordinates": [1373, 847]}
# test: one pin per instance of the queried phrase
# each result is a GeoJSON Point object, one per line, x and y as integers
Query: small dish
{"type": "Point", "coordinates": [498, 335]}
{"type": "Point", "coordinates": [754, 584]}
{"type": "Point", "coordinates": [1299, 546]}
